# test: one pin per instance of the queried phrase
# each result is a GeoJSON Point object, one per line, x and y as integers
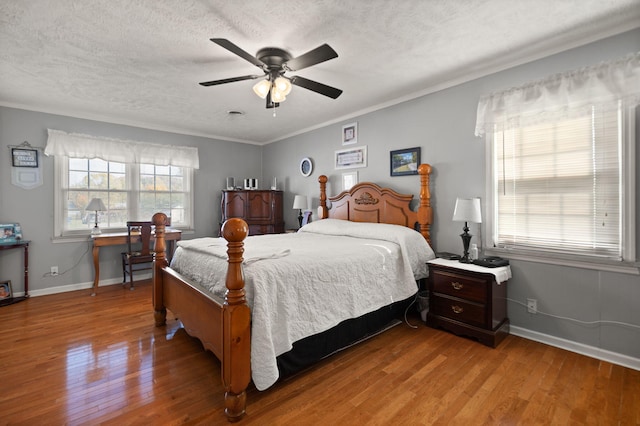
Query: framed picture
{"type": "Point", "coordinates": [405, 161]}
{"type": "Point", "coordinates": [23, 157]}
{"type": "Point", "coordinates": [349, 179]}
{"type": "Point", "coordinates": [10, 233]}
{"type": "Point", "coordinates": [5, 290]}
{"type": "Point", "coordinates": [350, 134]}
{"type": "Point", "coordinates": [351, 158]}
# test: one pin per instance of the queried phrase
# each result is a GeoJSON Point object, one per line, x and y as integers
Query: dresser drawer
{"type": "Point", "coordinates": [457, 309]}
{"type": "Point", "coordinates": [458, 285]}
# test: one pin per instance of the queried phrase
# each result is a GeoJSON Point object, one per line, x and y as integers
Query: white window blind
{"type": "Point", "coordinates": [558, 185]}
{"type": "Point", "coordinates": [562, 167]}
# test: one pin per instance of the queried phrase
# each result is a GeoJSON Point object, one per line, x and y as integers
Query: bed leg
{"type": "Point", "coordinates": [160, 316]}
{"type": "Point", "coordinates": [235, 405]}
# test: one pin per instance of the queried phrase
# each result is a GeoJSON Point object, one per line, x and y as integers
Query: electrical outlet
{"type": "Point", "coordinates": [54, 271]}
{"type": "Point", "coordinates": [532, 306]}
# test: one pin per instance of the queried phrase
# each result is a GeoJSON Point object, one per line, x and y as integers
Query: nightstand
{"type": "Point", "coordinates": [469, 300]}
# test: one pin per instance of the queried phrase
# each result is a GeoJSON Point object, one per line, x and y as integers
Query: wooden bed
{"type": "Point", "coordinates": [224, 326]}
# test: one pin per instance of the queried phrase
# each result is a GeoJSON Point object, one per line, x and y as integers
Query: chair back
{"type": "Point", "coordinates": [145, 236]}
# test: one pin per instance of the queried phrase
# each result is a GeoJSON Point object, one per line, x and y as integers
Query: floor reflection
{"type": "Point", "coordinates": [111, 379]}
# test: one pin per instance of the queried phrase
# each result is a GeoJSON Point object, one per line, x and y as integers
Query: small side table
{"type": "Point", "coordinates": [24, 245]}
{"type": "Point", "coordinates": [469, 300]}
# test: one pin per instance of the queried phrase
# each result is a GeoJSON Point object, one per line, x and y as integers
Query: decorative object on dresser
{"type": "Point", "coordinates": [467, 210]}
{"type": "Point", "coordinates": [300, 203]}
{"type": "Point", "coordinates": [251, 184]}
{"type": "Point", "coordinates": [231, 183]}
{"type": "Point", "coordinates": [469, 300]}
{"type": "Point", "coordinates": [261, 209]}
{"type": "Point", "coordinates": [96, 205]}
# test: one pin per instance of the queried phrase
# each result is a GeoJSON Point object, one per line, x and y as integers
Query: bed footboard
{"type": "Point", "coordinates": [224, 329]}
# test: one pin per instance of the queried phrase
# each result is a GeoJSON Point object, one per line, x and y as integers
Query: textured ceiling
{"type": "Point", "coordinates": [139, 62]}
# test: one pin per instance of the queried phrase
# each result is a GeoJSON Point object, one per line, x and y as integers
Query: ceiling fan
{"type": "Point", "coordinates": [275, 62]}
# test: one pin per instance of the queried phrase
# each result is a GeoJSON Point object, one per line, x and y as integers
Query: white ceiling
{"type": "Point", "coordinates": [139, 62]}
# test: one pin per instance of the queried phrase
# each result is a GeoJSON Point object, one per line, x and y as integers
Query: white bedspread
{"type": "Point", "coordinates": [302, 284]}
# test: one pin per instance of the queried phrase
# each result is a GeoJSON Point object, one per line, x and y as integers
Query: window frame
{"type": "Point", "coordinates": [132, 170]}
{"type": "Point", "coordinates": [629, 263]}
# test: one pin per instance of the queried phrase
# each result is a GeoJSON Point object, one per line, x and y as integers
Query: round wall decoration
{"type": "Point", "coordinates": [306, 166]}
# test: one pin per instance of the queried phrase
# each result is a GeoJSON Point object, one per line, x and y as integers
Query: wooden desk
{"type": "Point", "coordinates": [120, 238]}
{"type": "Point", "coordinates": [25, 245]}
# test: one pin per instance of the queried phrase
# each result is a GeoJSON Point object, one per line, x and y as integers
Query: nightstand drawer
{"type": "Point", "coordinates": [459, 310]}
{"type": "Point", "coordinates": [458, 285]}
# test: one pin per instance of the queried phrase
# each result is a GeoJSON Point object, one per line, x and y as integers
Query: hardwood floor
{"type": "Point", "coordinates": [75, 359]}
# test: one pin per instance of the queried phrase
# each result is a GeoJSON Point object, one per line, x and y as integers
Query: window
{"type": "Point", "coordinates": [129, 191]}
{"type": "Point", "coordinates": [561, 165]}
{"type": "Point", "coordinates": [557, 186]}
{"type": "Point", "coordinates": [134, 179]}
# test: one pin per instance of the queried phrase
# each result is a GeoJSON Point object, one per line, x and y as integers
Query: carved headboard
{"type": "Point", "coordinates": [368, 202]}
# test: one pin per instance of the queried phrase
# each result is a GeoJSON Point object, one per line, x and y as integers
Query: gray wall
{"type": "Point", "coordinates": [33, 208]}
{"type": "Point", "coordinates": [442, 124]}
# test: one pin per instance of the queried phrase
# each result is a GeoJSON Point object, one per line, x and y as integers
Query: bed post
{"type": "Point", "coordinates": [159, 262]}
{"type": "Point", "coordinates": [425, 213]}
{"type": "Point", "coordinates": [236, 324]}
{"type": "Point", "coordinates": [323, 196]}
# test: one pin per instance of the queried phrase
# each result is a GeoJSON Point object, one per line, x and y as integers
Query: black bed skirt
{"type": "Point", "coordinates": [312, 349]}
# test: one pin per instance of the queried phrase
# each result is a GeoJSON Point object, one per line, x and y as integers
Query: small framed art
{"type": "Point", "coordinates": [405, 161]}
{"type": "Point", "coordinates": [5, 290]}
{"type": "Point", "coordinates": [23, 157]}
{"type": "Point", "coordinates": [349, 179]}
{"type": "Point", "coordinates": [350, 134]}
{"type": "Point", "coordinates": [351, 158]}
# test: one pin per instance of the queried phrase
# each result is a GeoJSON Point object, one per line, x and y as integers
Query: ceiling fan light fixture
{"type": "Point", "coordinates": [262, 88]}
{"type": "Point", "coordinates": [276, 95]}
{"type": "Point", "coordinates": [283, 85]}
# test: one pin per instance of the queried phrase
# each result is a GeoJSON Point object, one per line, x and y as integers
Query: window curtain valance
{"type": "Point", "coordinates": [120, 150]}
{"type": "Point", "coordinates": [562, 96]}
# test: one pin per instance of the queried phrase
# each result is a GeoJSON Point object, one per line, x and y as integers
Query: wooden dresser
{"type": "Point", "coordinates": [262, 210]}
{"type": "Point", "coordinates": [469, 300]}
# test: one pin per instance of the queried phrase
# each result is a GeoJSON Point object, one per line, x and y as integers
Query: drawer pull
{"type": "Point", "coordinates": [457, 309]}
{"type": "Point", "coordinates": [456, 285]}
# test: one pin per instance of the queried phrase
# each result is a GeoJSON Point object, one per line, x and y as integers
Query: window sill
{"type": "Point", "coordinates": [630, 268]}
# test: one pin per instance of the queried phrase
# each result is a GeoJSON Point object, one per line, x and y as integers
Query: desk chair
{"type": "Point", "coordinates": [138, 256]}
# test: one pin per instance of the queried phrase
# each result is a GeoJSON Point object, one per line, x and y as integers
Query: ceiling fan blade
{"type": "Point", "coordinates": [223, 42]}
{"type": "Point", "coordinates": [312, 57]}
{"type": "Point", "coordinates": [323, 89]}
{"type": "Point", "coordinates": [229, 80]}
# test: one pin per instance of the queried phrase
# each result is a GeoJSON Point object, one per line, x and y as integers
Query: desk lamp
{"type": "Point", "coordinates": [96, 205]}
{"type": "Point", "coordinates": [467, 210]}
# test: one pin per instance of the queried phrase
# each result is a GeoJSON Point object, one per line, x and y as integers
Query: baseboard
{"type": "Point", "coordinates": [591, 351]}
{"type": "Point", "coordinates": [82, 286]}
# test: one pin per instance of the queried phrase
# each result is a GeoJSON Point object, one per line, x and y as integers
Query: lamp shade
{"type": "Point", "coordinates": [96, 205]}
{"type": "Point", "coordinates": [467, 210]}
{"type": "Point", "coordinates": [300, 202]}
{"type": "Point", "coordinates": [283, 85]}
{"type": "Point", "coordinates": [262, 88]}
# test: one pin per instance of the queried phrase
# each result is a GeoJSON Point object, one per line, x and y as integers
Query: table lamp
{"type": "Point", "coordinates": [96, 205]}
{"type": "Point", "coordinates": [467, 210]}
{"type": "Point", "coordinates": [300, 203]}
